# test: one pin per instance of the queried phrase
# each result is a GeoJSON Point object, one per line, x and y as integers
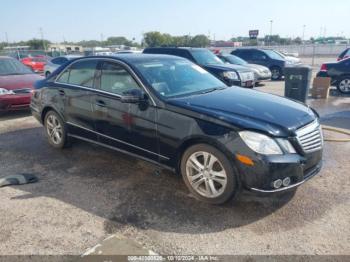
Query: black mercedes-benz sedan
{"type": "Point", "coordinates": [170, 111]}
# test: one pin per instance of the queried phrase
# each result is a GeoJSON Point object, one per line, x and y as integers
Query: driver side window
{"type": "Point", "coordinates": [115, 79]}
{"type": "Point", "coordinates": [257, 55]}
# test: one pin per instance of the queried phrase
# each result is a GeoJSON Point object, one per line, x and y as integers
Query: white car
{"type": "Point", "coordinates": [57, 62]}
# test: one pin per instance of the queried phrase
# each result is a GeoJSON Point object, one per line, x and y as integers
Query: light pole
{"type": "Point", "coordinates": [271, 22]}
{"type": "Point", "coordinates": [303, 32]}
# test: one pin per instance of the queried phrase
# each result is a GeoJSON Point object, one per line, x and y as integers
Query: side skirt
{"type": "Point", "coordinates": [123, 151]}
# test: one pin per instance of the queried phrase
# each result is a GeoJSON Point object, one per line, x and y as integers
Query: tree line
{"type": "Point", "coordinates": [150, 39]}
{"type": "Point", "coordinates": [158, 39]}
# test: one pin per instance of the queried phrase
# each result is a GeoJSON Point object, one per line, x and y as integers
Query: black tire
{"type": "Point", "coordinates": [63, 141]}
{"type": "Point", "coordinates": [232, 181]}
{"type": "Point", "coordinates": [343, 85]}
{"type": "Point", "coordinates": [276, 73]}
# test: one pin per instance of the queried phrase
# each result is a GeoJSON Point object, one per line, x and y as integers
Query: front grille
{"type": "Point", "coordinates": [22, 91]}
{"type": "Point", "coordinates": [310, 137]}
{"type": "Point", "coordinates": [247, 76]}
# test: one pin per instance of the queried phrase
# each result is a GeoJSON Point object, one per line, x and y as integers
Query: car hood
{"type": "Point", "coordinates": [250, 109]}
{"type": "Point", "coordinates": [227, 67]}
{"type": "Point", "coordinates": [259, 68]}
{"type": "Point", "coordinates": [11, 82]}
{"type": "Point", "coordinates": [292, 59]}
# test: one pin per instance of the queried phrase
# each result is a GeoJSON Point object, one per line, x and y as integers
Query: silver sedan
{"type": "Point", "coordinates": [261, 73]}
{"type": "Point", "coordinates": [57, 62]}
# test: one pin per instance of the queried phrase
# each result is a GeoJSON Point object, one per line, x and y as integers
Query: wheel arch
{"type": "Point", "coordinates": [191, 141]}
{"type": "Point", "coordinates": [46, 109]}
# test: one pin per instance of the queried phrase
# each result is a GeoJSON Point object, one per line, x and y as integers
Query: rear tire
{"type": "Point", "coordinates": [208, 174]}
{"type": "Point", "coordinates": [344, 85]}
{"type": "Point", "coordinates": [276, 73]}
{"type": "Point", "coordinates": [55, 130]}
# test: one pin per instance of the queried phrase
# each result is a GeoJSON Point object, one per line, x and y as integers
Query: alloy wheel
{"type": "Point", "coordinates": [206, 174]}
{"type": "Point", "coordinates": [275, 74]}
{"type": "Point", "coordinates": [344, 85]}
{"type": "Point", "coordinates": [54, 129]}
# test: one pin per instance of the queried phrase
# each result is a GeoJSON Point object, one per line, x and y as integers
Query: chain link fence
{"type": "Point", "coordinates": [20, 54]}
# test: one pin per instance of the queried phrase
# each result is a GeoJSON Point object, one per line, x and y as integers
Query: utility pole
{"type": "Point", "coordinates": [42, 38]}
{"type": "Point", "coordinates": [7, 38]}
{"type": "Point", "coordinates": [271, 22]}
{"type": "Point", "coordinates": [303, 32]}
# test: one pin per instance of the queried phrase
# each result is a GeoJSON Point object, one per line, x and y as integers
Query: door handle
{"type": "Point", "coordinates": [100, 103]}
{"type": "Point", "coordinates": [61, 92]}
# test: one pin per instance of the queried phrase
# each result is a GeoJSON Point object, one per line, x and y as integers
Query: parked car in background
{"type": "Point", "coordinates": [171, 112]}
{"type": "Point", "coordinates": [339, 72]}
{"type": "Point", "coordinates": [291, 59]}
{"type": "Point", "coordinates": [57, 62]}
{"type": "Point", "coordinates": [266, 57]}
{"type": "Point", "coordinates": [230, 74]}
{"type": "Point", "coordinates": [128, 52]}
{"type": "Point", "coordinates": [345, 54]}
{"type": "Point", "coordinates": [261, 73]}
{"type": "Point", "coordinates": [36, 63]}
{"type": "Point", "coordinates": [16, 84]}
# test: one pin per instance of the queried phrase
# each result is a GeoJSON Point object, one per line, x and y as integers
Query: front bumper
{"type": "Point", "coordinates": [267, 169]}
{"type": "Point", "coordinates": [14, 102]}
{"type": "Point", "coordinates": [313, 172]}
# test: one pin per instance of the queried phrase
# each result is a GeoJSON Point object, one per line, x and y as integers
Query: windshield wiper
{"type": "Point", "coordinates": [213, 89]}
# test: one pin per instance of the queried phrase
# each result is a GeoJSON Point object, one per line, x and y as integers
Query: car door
{"type": "Point", "coordinates": [127, 126]}
{"type": "Point", "coordinates": [259, 57]}
{"type": "Point", "coordinates": [74, 85]}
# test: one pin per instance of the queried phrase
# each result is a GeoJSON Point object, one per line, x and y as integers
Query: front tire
{"type": "Point", "coordinates": [208, 174]}
{"type": "Point", "coordinates": [344, 85]}
{"type": "Point", "coordinates": [276, 73]}
{"type": "Point", "coordinates": [55, 130]}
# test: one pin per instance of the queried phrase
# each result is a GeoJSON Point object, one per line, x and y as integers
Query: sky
{"type": "Point", "coordinates": [75, 20]}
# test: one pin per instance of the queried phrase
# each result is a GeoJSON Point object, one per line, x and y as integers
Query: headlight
{"type": "Point", "coordinates": [4, 91]}
{"type": "Point", "coordinates": [260, 143]}
{"type": "Point", "coordinates": [230, 75]}
{"type": "Point", "coordinates": [286, 145]}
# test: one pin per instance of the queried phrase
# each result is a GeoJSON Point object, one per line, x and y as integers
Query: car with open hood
{"type": "Point", "coordinates": [175, 114]}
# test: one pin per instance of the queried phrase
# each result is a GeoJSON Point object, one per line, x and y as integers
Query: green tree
{"type": "Point", "coordinates": [154, 39]}
{"type": "Point", "coordinates": [200, 41]}
{"type": "Point", "coordinates": [37, 44]}
{"type": "Point", "coordinates": [118, 40]}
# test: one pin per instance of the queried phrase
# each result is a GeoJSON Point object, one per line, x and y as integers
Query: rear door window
{"type": "Point", "coordinates": [81, 73]}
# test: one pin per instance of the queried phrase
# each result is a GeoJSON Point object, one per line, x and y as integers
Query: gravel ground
{"type": "Point", "coordinates": [87, 193]}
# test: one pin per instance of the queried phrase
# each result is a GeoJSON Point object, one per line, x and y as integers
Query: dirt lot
{"type": "Point", "coordinates": [86, 193]}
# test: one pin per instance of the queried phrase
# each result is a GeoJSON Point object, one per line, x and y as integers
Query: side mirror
{"type": "Point", "coordinates": [133, 96]}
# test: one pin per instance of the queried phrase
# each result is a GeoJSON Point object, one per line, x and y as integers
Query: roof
{"type": "Point", "coordinates": [6, 57]}
{"type": "Point", "coordinates": [135, 58]}
{"type": "Point", "coordinates": [181, 47]}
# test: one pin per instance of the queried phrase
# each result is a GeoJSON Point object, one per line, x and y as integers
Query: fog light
{"type": "Point", "coordinates": [286, 181]}
{"type": "Point", "coordinates": [277, 183]}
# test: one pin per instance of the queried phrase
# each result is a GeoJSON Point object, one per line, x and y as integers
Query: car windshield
{"type": "Point", "coordinates": [205, 57]}
{"type": "Point", "coordinates": [9, 66]}
{"type": "Point", "coordinates": [274, 55]}
{"type": "Point", "coordinates": [171, 78]}
{"type": "Point", "coordinates": [235, 60]}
